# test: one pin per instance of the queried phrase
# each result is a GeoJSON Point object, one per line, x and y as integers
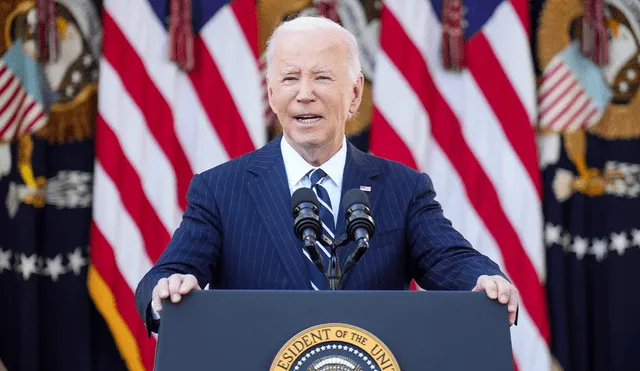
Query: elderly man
{"type": "Point", "coordinates": [237, 231]}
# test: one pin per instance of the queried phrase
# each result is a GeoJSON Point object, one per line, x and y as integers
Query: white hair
{"type": "Point", "coordinates": [316, 23]}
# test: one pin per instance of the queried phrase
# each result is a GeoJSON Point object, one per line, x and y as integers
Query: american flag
{"type": "Point", "coordinates": [157, 125]}
{"type": "Point", "coordinates": [573, 94]}
{"type": "Point", "coordinates": [22, 105]}
{"type": "Point", "coordinates": [473, 132]}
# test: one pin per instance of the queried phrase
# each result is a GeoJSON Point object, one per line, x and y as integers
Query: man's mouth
{"type": "Point", "coordinates": [308, 118]}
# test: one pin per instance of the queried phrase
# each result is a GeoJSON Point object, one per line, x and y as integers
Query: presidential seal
{"type": "Point", "coordinates": [334, 347]}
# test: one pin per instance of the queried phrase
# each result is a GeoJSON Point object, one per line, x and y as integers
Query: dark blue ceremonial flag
{"type": "Point", "coordinates": [47, 319]}
{"type": "Point", "coordinates": [592, 189]}
{"type": "Point", "coordinates": [594, 255]}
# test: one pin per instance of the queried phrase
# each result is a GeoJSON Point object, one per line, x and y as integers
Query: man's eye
{"type": "Point", "coordinates": [289, 78]}
{"type": "Point", "coordinates": [323, 78]}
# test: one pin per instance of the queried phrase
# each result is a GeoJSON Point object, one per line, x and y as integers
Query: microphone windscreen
{"type": "Point", "coordinates": [303, 195]}
{"type": "Point", "coordinates": [352, 197]}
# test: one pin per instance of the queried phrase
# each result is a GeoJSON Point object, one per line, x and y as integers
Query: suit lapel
{"type": "Point", "coordinates": [270, 193]}
{"type": "Point", "coordinates": [269, 190]}
{"type": "Point", "coordinates": [359, 171]}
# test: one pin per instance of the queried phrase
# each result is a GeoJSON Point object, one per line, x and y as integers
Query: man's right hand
{"type": "Point", "coordinates": [175, 286]}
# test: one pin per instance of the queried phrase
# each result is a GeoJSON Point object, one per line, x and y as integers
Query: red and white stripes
{"type": "Point", "coordinates": [564, 103]}
{"type": "Point", "coordinates": [472, 132]}
{"type": "Point", "coordinates": [19, 112]}
{"type": "Point", "coordinates": [156, 127]}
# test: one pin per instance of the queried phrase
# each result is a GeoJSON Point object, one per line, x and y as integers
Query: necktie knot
{"type": "Point", "coordinates": [316, 176]}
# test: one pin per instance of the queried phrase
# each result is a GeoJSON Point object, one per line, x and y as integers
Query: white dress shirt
{"type": "Point", "coordinates": [297, 169]}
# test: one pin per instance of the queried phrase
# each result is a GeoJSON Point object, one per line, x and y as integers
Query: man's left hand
{"type": "Point", "coordinates": [497, 287]}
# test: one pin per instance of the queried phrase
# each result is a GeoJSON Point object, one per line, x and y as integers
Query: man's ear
{"type": "Point", "coordinates": [270, 94]}
{"type": "Point", "coordinates": [356, 98]}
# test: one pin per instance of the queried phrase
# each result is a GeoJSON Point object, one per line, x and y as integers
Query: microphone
{"type": "Point", "coordinates": [307, 224]}
{"type": "Point", "coordinates": [360, 226]}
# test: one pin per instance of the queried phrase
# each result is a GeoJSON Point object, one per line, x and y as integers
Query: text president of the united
{"type": "Point", "coordinates": [237, 231]}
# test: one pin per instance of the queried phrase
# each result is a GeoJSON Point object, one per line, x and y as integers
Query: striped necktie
{"type": "Point", "coordinates": [328, 224]}
{"type": "Point", "coordinates": [326, 212]}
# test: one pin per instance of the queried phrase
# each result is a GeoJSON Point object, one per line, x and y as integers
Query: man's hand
{"type": "Point", "coordinates": [497, 287]}
{"type": "Point", "coordinates": [175, 286]}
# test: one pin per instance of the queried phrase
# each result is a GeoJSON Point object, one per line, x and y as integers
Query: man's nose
{"type": "Point", "coordinates": [306, 93]}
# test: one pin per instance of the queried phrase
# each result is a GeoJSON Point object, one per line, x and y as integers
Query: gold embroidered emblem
{"type": "Point", "coordinates": [561, 25]}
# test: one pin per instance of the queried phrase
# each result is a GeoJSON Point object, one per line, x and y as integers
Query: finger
{"type": "Point", "coordinates": [155, 300]}
{"type": "Point", "coordinates": [479, 284]}
{"type": "Point", "coordinates": [163, 288]}
{"type": "Point", "coordinates": [189, 283]}
{"type": "Point", "coordinates": [488, 285]}
{"type": "Point", "coordinates": [503, 290]}
{"type": "Point", "coordinates": [161, 291]}
{"type": "Point", "coordinates": [174, 287]}
{"type": "Point", "coordinates": [514, 299]}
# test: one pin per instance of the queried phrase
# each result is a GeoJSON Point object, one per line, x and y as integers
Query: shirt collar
{"type": "Point", "coordinates": [297, 167]}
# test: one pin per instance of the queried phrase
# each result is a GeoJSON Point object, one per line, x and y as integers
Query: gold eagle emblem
{"type": "Point", "coordinates": [561, 24]}
{"type": "Point", "coordinates": [70, 81]}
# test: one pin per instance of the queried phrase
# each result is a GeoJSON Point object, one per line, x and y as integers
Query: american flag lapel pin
{"type": "Point", "coordinates": [365, 188]}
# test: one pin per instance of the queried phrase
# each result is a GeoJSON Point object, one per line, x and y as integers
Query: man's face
{"type": "Point", "coordinates": [309, 87]}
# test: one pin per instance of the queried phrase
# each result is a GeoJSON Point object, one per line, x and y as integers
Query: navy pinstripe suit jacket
{"type": "Point", "coordinates": [237, 231]}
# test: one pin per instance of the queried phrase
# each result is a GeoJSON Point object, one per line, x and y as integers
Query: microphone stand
{"type": "Point", "coordinates": [334, 272]}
